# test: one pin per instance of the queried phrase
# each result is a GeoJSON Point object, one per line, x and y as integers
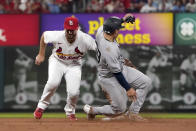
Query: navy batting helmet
{"type": "Point", "coordinates": [112, 24]}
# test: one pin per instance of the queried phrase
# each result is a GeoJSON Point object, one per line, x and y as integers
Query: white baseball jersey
{"type": "Point", "coordinates": [70, 54]}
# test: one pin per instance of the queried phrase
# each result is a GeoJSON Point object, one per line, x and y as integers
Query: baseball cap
{"type": "Point", "coordinates": [71, 23]}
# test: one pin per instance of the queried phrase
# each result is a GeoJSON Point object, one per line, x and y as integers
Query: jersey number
{"type": "Point", "coordinates": [98, 54]}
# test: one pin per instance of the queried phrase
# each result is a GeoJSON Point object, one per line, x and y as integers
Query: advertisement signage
{"type": "Point", "coordinates": [148, 29]}
{"type": "Point", "coordinates": [185, 29]}
{"type": "Point", "coordinates": [18, 30]}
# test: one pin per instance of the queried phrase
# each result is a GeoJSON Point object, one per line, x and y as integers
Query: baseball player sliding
{"type": "Point", "coordinates": [117, 76]}
{"type": "Point", "coordinates": [70, 45]}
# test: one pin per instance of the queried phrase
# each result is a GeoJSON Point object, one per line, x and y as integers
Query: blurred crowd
{"type": "Point", "coordinates": [95, 6]}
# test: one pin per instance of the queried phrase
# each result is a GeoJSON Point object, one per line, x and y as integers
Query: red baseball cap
{"type": "Point", "coordinates": [71, 23]}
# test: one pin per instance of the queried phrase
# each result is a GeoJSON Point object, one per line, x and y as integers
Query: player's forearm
{"type": "Point", "coordinates": [121, 79]}
{"type": "Point", "coordinates": [42, 47]}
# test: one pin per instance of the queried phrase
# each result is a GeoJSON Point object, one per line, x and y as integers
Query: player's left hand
{"type": "Point", "coordinates": [39, 59]}
{"type": "Point", "coordinates": [131, 93]}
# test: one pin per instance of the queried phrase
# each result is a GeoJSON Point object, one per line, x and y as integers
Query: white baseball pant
{"type": "Point", "coordinates": [72, 75]}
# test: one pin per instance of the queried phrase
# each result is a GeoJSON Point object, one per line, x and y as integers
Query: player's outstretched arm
{"type": "Point", "coordinates": [41, 55]}
{"type": "Point", "coordinates": [131, 93]}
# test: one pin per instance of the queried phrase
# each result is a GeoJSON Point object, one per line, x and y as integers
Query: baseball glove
{"type": "Point", "coordinates": [129, 63]}
{"type": "Point", "coordinates": [130, 19]}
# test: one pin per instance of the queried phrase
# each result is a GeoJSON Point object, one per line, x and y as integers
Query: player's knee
{"type": "Point", "coordinates": [118, 109]}
{"type": "Point", "coordinates": [123, 108]}
{"type": "Point", "coordinates": [52, 85]}
{"type": "Point", "coordinates": [148, 83]}
{"type": "Point", "coordinates": [73, 93]}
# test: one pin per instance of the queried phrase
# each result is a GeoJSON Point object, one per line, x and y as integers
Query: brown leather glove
{"type": "Point", "coordinates": [129, 63]}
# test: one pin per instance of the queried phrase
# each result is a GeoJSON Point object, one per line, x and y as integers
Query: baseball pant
{"type": "Point", "coordinates": [72, 75]}
{"type": "Point", "coordinates": [117, 94]}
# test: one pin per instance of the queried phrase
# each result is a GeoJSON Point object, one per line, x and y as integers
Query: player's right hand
{"type": "Point", "coordinates": [131, 93]}
{"type": "Point", "coordinates": [39, 59]}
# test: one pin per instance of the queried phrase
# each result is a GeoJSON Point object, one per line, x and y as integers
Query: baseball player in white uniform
{"type": "Point", "coordinates": [70, 45]}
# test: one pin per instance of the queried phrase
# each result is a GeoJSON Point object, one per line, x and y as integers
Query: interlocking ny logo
{"type": "Point", "coordinates": [187, 29]}
{"type": "Point", "coordinates": [70, 22]}
{"type": "Point", "coordinates": [2, 37]}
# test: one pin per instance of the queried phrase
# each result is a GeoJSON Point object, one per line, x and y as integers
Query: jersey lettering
{"type": "Point", "coordinates": [69, 57]}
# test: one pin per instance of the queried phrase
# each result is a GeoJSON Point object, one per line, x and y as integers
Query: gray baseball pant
{"type": "Point", "coordinates": [117, 96]}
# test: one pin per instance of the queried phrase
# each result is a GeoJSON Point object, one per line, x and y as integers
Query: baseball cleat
{"type": "Point", "coordinates": [137, 117]}
{"type": "Point", "coordinates": [72, 117]}
{"type": "Point", "coordinates": [88, 110]}
{"type": "Point", "coordinates": [38, 113]}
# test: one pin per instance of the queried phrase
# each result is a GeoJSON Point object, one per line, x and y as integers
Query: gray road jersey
{"type": "Point", "coordinates": [108, 54]}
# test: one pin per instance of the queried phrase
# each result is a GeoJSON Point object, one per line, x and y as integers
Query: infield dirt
{"type": "Point", "coordinates": [60, 124]}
